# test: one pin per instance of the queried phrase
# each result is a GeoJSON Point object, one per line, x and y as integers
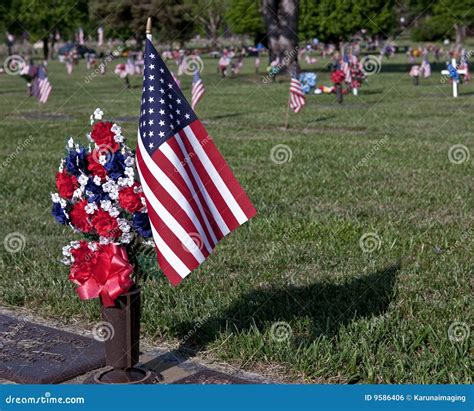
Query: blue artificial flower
{"type": "Point", "coordinates": [98, 194]}
{"type": "Point", "coordinates": [115, 167]}
{"type": "Point", "coordinates": [58, 214]}
{"type": "Point", "coordinates": [141, 224]}
{"type": "Point", "coordinates": [76, 161]}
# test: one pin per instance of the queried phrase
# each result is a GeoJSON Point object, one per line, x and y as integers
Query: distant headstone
{"type": "Point", "coordinates": [34, 354]}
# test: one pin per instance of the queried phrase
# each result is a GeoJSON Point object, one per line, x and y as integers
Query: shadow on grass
{"type": "Point", "coordinates": [327, 306]}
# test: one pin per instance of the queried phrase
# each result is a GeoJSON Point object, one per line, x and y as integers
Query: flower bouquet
{"type": "Point", "coordinates": [97, 195]}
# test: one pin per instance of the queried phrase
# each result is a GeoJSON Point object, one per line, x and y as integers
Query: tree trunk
{"type": "Point", "coordinates": [270, 18]}
{"type": "Point", "coordinates": [460, 33]}
{"type": "Point", "coordinates": [45, 48]}
{"type": "Point", "coordinates": [281, 21]}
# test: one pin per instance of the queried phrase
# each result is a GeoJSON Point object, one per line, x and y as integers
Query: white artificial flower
{"type": "Point", "coordinates": [104, 240]}
{"type": "Point", "coordinates": [122, 182]}
{"type": "Point", "coordinates": [83, 179]}
{"type": "Point", "coordinates": [129, 161]}
{"type": "Point", "coordinates": [78, 192]}
{"type": "Point", "coordinates": [67, 251]}
{"type": "Point", "coordinates": [124, 225]}
{"type": "Point", "coordinates": [63, 204]}
{"type": "Point", "coordinates": [116, 129]}
{"type": "Point", "coordinates": [102, 159]}
{"type": "Point", "coordinates": [61, 166]}
{"type": "Point", "coordinates": [144, 204]}
{"type": "Point", "coordinates": [129, 172]}
{"type": "Point", "coordinates": [92, 246]}
{"type": "Point", "coordinates": [97, 180]}
{"type": "Point", "coordinates": [70, 142]}
{"type": "Point", "coordinates": [125, 238]}
{"type": "Point", "coordinates": [137, 189]}
{"type": "Point", "coordinates": [92, 119]}
{"type": "Point", "coordinates": [78, 148]}
{"type": "Point", "coordinates": [114, 212]}
{"type": "Point", "coordinates": [90, 208]}
{"type": "Point", "coordinates": [66, 261]}
{"type": "Point", "coordinates": [149, 242]}
{"type": "Point", "coordinates": [98, 113]}
{"type": "Point", "coordinates": [106, 205]}
{"type": "Point", "coordinates": [109, 186]}
{"type": "Point", "coordinates": [55, 198]}
{"type": "Point", "coordinates": [75, 244]}
{"type": "Point", "coordinates": [114, 195]}
{"type": "Point", "coordinates": [118, 138]}
{"type": "Point", "coordinates": [89, 137]}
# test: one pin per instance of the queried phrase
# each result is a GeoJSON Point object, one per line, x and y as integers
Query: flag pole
{"type": "Point", "coordinates": [148, 29]}
{"type": "Point", "coordinates": [287, 113]}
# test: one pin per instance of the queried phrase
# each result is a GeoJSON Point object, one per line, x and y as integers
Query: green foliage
{"type": "Point", "coordinates": [42, 18]}
{"type": "Point", "coordinates": [339, 19]}
{"type": "Point", "coordinates": [244, 17]}
{"type": "Point", "coordinates": [432, 29]}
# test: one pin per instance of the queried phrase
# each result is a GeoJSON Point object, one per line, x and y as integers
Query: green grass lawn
{"type": "Point", "coordinates": [292, 293]}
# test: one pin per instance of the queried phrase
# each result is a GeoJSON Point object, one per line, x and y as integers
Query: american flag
{"type": "Point", "coordinates": [197, 90]}
{"type": "Point", "coordinates": [41, 86]}
{"type": "Point", "coordinates": [297, 99]}
{"type": "Point", "coordinates": [346, 68]}
{"type": "Point", "coordinates": [192, 197]}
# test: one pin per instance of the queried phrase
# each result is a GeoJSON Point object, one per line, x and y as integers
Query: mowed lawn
{"type": "Point", "coordinates": [291, 294]}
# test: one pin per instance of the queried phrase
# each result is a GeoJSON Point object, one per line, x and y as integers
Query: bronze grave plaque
{"type": "Point", "coordinates": [34, 354]}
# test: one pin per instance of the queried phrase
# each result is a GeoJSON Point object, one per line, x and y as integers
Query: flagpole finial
{"type": "Point", "coordinates": [148, 26]}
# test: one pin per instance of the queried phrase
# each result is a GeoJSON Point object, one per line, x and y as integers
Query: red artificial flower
{"type": "Point", "coordinates": [84, 257]}
{"type": "Point", "coordinates": [103, 136]}
{"type": "Point", "coordinates": [94, 166]}
{"type": "Point", "coordinates": [79, 217]}
{"type": "Point", "coordinates": [105, 224]}
{"type": "Point", "coordinates": [66, 184]}
{"type": "Point", "coordinates": [337, 76]}
{"type": "Point", "coordinates": [129, 200]}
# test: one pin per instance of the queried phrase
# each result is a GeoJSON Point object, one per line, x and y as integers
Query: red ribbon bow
{"type": "Point", "coordinates": [105, 273]}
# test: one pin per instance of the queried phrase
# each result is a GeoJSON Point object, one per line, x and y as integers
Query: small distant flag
{"type": "Point", "coordinates": [41, 86]}
{"type": "Point", "coordinates": [193, 199]}
{"type": "Point", "coordinates": [198, 90]}
{"type": "Point", "coordinates": [297, 99]}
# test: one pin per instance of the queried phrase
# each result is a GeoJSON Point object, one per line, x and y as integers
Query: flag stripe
{"type": "Point", "coordinates": [215, 176]}
{"type": "Point", "coordinates": [202, 188]}
{"type": "Point", "coordinates": [224, 170]}
{"type": "Point", "coordinates": [167, 219]}
{"type": "Point", "coordinates": [169, 192]}
{"type": "Point", "coordinates": [170, 162]}
{"type": "Point", "coordinates": [223, 209]}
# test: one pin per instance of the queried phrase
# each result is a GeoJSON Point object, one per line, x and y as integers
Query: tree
{"type": "Point", "coordinates": [245, 17]}
{"type": "Point", "coordinates": [43, 19]}
{"type": "Point", "coordinates": [210, 14]}
{"type": "Point", "coordinates": [281, 22]}
{"type": "Point", "coordinates": [340, 19]}
{"type": "Point", "coordinates": [173, 20]}
{"type": "Point", "coordinates": [458, 14]}
{"type": "Point", "coordinates": [122, 19]}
